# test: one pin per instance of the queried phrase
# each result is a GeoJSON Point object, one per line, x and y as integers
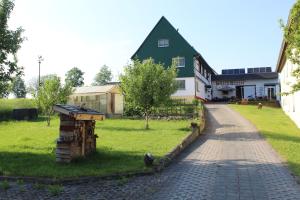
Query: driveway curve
{"type": "Point", "coordinates": [231, 161]}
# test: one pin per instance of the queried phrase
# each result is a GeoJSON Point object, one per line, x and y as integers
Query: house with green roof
{"type": "Point", "coordinates": [166, 45]}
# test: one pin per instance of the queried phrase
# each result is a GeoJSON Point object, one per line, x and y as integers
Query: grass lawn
{"type": "Point", "coordinates": [28, 148]}
{"type": "Point", "coordinates": [279, 131]}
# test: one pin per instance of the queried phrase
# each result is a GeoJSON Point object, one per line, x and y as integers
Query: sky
{"type": "Point", "coordinates": [90, 33]}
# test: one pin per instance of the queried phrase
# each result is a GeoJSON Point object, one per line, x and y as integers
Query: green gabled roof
{"type": "Point", "coordinates": [192, 50]}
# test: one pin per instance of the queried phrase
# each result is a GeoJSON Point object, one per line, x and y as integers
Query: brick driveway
{"type": "Point", "coordinates": [230, 161]}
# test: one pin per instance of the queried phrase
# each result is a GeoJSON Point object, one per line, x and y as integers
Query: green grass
{"type": "Point", "coordinates": [7, 105]}
{"type": "Point", "coordinates": [55, 189]}
{"type": "Point", "coordinates": [28, 148]}
{"type": "Point", "coordinates": [279, 131]}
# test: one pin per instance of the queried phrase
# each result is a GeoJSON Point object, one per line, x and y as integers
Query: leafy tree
{"type": "Point", "coordinates": [51, 92]}
{"type": "Point", "coordinates": [33, 85]}
{"type": "Point", "coordinates": [292, 38]}
{"type": "Point", "coordinates": [147, 84]}
{"type": "Point", "coordinates": [18, 87]}
{"type": "Point", "coordinates": [74, 77]}
{"type": "Point", "coordinates": [10, 41]}
{"type": "Point", "coordinates": [103, 76]}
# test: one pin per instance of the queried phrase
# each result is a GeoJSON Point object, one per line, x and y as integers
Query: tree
{"type": "Point", "coordinates": [33, 85]}
{"type": "Point", "coordinates": [292, 38]}
{"type": "Point", "coordinates": [74, 77]}
{"type": "Point", "coordinates": [147, 84]}
{"type": "Point", "coordinates": [18, 87]}
{"type": "Point", "coordinates": [10, 41]}
{"type": "Point", "coordinates": [51, 92]}
{"type": "Point", "coordinates": [103, 76]}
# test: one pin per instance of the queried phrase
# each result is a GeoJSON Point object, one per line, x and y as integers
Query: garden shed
{"type": "Point", "coordinates": [106, 99]}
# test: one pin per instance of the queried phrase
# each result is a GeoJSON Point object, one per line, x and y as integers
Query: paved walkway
{"type": "Point", "coordinates": [231, 162]}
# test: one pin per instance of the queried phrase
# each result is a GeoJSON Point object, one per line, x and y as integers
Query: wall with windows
{"type": "Point", "coordinates": [108, 103]}
{"type": "Point", "coordinates": [266, 88]}
{"type": "Point", "coordinates": [186, 88]}
{"type": "Point", "coordinates": [289, 103]}
{"type": "Point", "coordinates": [165, 44]}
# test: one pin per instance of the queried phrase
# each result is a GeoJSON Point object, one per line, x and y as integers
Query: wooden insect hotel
{"type": "Point", "coordinates": [77, 136]}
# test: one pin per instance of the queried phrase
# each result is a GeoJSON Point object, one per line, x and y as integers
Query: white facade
{"type": "Point", "coordinates": [290, 103]}
{"type": "Point", "coordinates": [193, 88]}
{"type": "Point", "coordinates": [247, 89]}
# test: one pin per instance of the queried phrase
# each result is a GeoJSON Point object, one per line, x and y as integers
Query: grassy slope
{"type": "Point", "coordinates": [28, 148]}
{"type": "Point", "coordinates": [279, 131]}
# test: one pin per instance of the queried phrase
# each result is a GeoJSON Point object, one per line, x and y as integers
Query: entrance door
{"type": "Point", "coordinates": [239, 92]}
{"type": "Point", "coordinates": [271, 93]}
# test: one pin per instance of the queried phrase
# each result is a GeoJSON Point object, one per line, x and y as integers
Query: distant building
{"type": "Point", "coordinates": [106, 99]}
{"type": "Point", "coordinates": [289, 103]}
{"type": "Point", "coordinates": [165, 45]}
{"type": "Point", "coordinates": [256, 83]}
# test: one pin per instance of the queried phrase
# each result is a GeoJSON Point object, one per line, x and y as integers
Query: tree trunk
{"type": "Point", "coordinates": [48, 119]}
{"type": "Point", "coordinates": [147, 119]}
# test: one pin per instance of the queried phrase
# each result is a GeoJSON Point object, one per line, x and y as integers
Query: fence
{"type": "Point", "coordinates": [178, 108]}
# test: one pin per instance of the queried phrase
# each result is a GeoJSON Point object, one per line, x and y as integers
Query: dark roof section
{"type": "Point", "coordinates": [198, 55]}
{"type": "Point", "coordinates": [71, 110]}
{"type": "Point", "coordinates": [242, 77]}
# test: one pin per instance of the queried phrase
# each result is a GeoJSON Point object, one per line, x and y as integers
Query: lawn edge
{"type": "Point", "coordinates": [197, 130]}
{"type": "Point", "coordinates": [283, 160]}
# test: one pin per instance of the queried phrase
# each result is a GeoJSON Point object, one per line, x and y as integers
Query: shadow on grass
{"type": "Point", "coordinates": [186, 129]}
{"type": "Point", "coordinates": [102, 162]}
{"type": "Point", "coordinates": [279, 136]}
{"type": "Point", "coordinates": [39, 119]}
{"type": "Point", "coordinates": [125, 129]}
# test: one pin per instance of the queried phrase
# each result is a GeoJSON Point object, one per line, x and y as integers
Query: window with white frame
{"type": "Point", "coordinates": [163, 43]}
{"type": "Point", "coordinates": [198, 86]}
{"type": "Point", "coordinates": [181, 84]}
{"type": "Point", "coordinates": [179, 61]}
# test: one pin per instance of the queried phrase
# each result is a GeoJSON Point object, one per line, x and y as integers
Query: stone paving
{"type": "Point", "coordinates": [230, 161]}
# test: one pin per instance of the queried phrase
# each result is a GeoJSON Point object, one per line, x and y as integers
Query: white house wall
{"type": "Point", "coordinates": [249, 90]}
{"type": "Point", "coordinates": [189, 88]}
{"type": "Point", "coordinates": [200, 89]}
{"type": "Point", "coordinates": [290, 103]}
{"type": "Point", "coordinates": [260, 86]}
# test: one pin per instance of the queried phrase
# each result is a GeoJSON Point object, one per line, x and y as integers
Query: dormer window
{"type": "Point", "coordinates": [163, 43]}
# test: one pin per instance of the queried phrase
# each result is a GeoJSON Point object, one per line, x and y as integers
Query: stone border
{"type": "Point", "coordinates": [70, 181]}
{"type": "Point", "coordinates": [197, 129]}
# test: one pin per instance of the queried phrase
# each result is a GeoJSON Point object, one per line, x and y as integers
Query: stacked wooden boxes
{"type": "Point", "coordinates": [76, 133]}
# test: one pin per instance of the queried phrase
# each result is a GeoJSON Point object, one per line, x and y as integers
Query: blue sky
{"type": "Point", "coordinates": [91, 33]}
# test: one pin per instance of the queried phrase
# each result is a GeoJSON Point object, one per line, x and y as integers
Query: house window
{"type": "Point", "coordinates": [181, 84]}
{"type": "Point", "coordinates": [179, 61]}
{"type": "Point", "coordinates": [163, 43]}
{"type": "Point", "coordinates": [198, 86]}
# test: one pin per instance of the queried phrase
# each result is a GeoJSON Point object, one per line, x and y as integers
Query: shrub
{"type": "Point", "coordinates": [55, 189]}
